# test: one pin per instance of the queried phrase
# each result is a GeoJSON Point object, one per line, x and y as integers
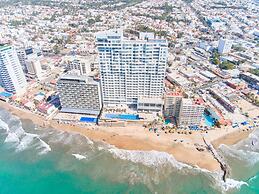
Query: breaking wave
{"type": "Point", "coordinates": [157, 159]}
{"type": "Point", "coordinates": [163, 164]}
{"type": "Point", "coordinates": [148, 158]}
{"type": "Point", "coordinates": [79, 156]}
{"type": "Point", "coordinates": [229, 185]}
{"type": "Point", "coordinates": [253, 178]}
{"type": "Point", "coordinates": [18, 138]}
{"type": "Point", "coordinates": [250, 157]}
{"type": "Point", "coordinates": [68, 138]}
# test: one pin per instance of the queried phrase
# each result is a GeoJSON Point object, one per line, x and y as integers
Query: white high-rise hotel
{"type": "Point", "coordinates": [12, 77]}
{"type": "Point", "coordinates": [131, 69]}
{"type": "Point", "coordinates": [224, 46]}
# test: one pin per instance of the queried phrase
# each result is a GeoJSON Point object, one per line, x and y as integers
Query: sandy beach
{"type": "Point", "coordinates": [181, 146]}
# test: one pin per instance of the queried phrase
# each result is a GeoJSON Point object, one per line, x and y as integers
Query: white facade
{"type": "Point", "coordinates": [224, 46]}
{"type": "Point", "coordinates": [79, 94]}
{"type": "Point", "coordinates": [33, 67]}
{"type": "Point", "coordinates": [149, 104]}
{"type": "Point", "coordinates": [12, 77]}
{"type": "Point", "coordinates": [131, 69]}
{"type": "Point", "coordinates": [22, 57]}
{"type": "Point", "coordinates": [172, 105]}
{"type": "Point", "coordinates": [190, 113]}
{"type": "Point", "coordinates": [79, 63]}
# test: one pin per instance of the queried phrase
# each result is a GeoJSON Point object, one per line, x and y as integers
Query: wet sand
{"type": "Point", "coordinates": [232, 138]}
{"type": "Point", "coordinates": [138, 138]}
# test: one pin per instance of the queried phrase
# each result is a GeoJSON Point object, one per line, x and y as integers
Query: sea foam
{"type": "Point", "coordinates": [231, 184]}
{"type": "Point", "coordinates": [11, 138]}
{"type": "Point", "coordinates": [253, 178]}
{"type": "Point", "coordinates": [4, 125]}
{"type": "Point", "coordinates": [250, 157]}
{"type": "Point", "coordinates": [79, 156]}
{"type": "Point", "coordinates": [148, 158]}
{"type": "Point", "coordinates": [19, 138]}
{"type": "Point", "coordinates": [45, 147]}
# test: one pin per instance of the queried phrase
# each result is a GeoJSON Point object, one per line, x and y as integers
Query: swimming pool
{"type": "Point", "coordinates": [88, 119]}
{"type": "Point", "coordinates": [122, 116]}
{"type": "Point", "coordinates": [167, 121]}
{"type": "Point", "coordinates": [209, 121]}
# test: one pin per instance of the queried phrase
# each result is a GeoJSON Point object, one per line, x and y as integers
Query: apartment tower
{"type": "Point", "coordinates": [131, 68]}
{"type": "Point", "coordinates": [12, 77]}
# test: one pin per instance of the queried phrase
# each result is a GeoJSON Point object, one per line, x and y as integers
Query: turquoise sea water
{"type": "Point", "coordinates": [40, 161]}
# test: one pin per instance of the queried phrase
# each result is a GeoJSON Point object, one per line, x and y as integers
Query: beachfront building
{"type": "Point", "coordinates": [172, 104]}
{"type": "Point", "coordinates": [12, 77]}
{"type": "Point", "coordinates": [190, 113]}
{"type": "Point", "coordinates": [46, 108]}
{"type": "Point", "coordinates": [149, 104]}
{"type": "Point", "coordinates": [79, 94]}
{"type": "Point", "coordinates": [80, 63]}
{"type": "Point", "coordinates": [131, 69]}
{"type": "Point", "coordinates": [224, 46]}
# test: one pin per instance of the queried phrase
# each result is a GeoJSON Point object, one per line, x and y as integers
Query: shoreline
{"type": "Point", "coordinates": [137, 138]}
{"type": "Point", "coordinates": [232, 138]}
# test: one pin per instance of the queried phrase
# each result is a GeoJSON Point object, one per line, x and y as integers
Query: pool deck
{"type": "Point", "coordinates": [132, 117]}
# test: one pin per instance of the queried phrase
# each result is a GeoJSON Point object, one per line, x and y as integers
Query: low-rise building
{"type": "Point", "coordinates": [251, 79]}
{"type": "Point", "coordinates": [178, 79]}
{"type": "Point", "coordinates": [146, 104]}
{"type": "Point", "coordinates": [46, 108]}
{"type": "Point", "coordinates": [208, 74]}
{"type": "Point", "coordinates": [236, 84]}
{"type": "Point", "coordinates": [223, 100]}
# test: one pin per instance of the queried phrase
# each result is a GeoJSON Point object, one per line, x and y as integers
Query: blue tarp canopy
{"type": "Point", "coordinates": [88, 119]}
{"type": "Point", "coordinates": [5, 94]}
{"type": "Point", "coordinates": [244, 123]}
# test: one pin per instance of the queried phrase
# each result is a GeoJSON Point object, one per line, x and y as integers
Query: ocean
{"type": "Point", "coordinates": [36, 160]}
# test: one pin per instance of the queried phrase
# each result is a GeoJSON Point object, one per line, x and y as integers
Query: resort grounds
{"type": "Point", "coordinates": [185, 147]}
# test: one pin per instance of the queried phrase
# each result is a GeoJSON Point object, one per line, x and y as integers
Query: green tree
{"type": "Point", "coordinates": [98, 19]}
{"type": "Point", "coordinates": [216, 61]}
{"type": "Point", "coordinates": [53, 18]}
{"type": "Point", "coordinates": [254, 71]}
{"type": "Point", "coordinates": [91, 21]}
{"type": "Point", "coordinates": [56, 49]}
{"type": "Point", "coordinates": [227, 65]}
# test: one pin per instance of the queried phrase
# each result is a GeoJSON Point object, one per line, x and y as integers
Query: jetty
{"type": "Point", "coordinates": [223, 165]}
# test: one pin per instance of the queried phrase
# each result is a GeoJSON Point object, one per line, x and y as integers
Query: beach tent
{"type": "Point", "coordinates": [5, 96]}
{"type": "Point", "coordinates": [244, 123]}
